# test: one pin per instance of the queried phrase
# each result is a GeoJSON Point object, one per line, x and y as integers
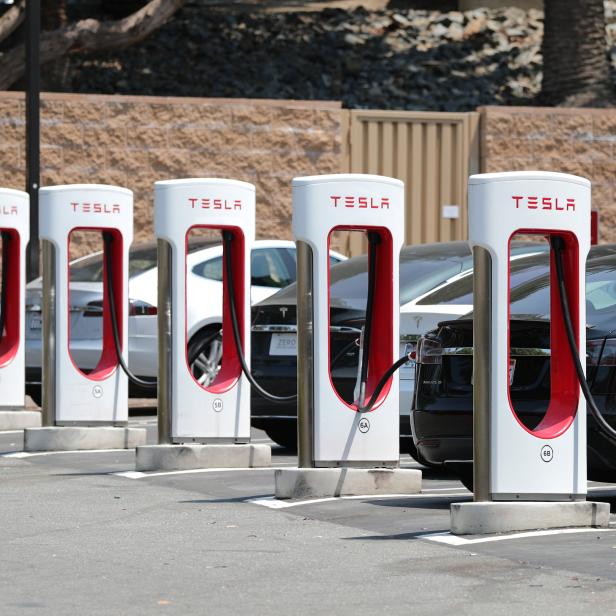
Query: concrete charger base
{"type": "Point", "coordinates": [19, 419]}
{"type": "Point", "coordinates": [78, 438]}
{"type": "Point", "coordinates": [327, 482]}
{"type": "Point", "coordinates": [482, 518]}
{"type": "Point", "coordinates": [197, 455]}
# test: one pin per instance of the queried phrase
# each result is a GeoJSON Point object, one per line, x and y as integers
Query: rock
{"type": "Point", "coordinates": [406, 59]}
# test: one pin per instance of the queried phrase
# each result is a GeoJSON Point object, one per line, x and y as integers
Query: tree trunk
{"type": "Point", "coordinates": [12, 19]}
{"type": "Point", "coordinates": [53, 16]}
{"type": "Point", "coordinates": [90, 35]}
{"type": "Point", "coordinates": [575, 63]}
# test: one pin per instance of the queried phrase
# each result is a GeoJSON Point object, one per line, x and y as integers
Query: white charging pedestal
{"type": "Point", "coordinates": [527, 478]}
{"type": "Point", "coordinates": [202, 426]}
{"type": "Point", "coordinates": [343, 451]}
{"type": "Point", "coordinates": [15, 228]}
{"type": "Point", "coordinates": [83, 410]}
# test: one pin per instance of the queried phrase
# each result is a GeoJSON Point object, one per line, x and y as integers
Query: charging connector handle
{"type": "Point", "coordinates": [227, 237]}
{"type": "Point", "coordinates": [373, 241]}
{"type": "Point", "coordinates": [108, 242]}
{"type": "Point", "coordinates": [558, 247]}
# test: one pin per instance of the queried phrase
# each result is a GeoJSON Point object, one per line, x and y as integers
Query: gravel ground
{"type": "Point", "coordinates": [447, 61]}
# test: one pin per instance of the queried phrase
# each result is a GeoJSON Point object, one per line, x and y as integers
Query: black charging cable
{"type": "Point", "coordinates": [6, 239]}
{"type": "Point", "coordinates": [227, 237]}
{"type": "Point", "coordinates": [373, 241]}
{"type": "Point", "coordinates": [108, 243]}
{"type": "Point", "coordinates": [558, 245]}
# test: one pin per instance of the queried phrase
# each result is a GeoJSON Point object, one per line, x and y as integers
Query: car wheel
{"type": "Point", "coordinates": [407, 445]}
{"type": "Point", "coordinates": [285, 436]}
{"type": "Point", "coordinates": [205, 354]}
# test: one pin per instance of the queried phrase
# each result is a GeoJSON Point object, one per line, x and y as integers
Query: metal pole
{"type": "Point", "coordinates": [165, 342]}
{"type": "Point", "coordinates": [305, 454]}
{"type": "Point", "coordinates": [482, 351]}
{"type": "Point", "coordinates": [33, 86]}
{"type": "Point", "coordinates": [48, 372]}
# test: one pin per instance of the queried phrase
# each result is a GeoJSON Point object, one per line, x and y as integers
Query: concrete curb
{"type": "Point", "coordinates": [194, 456]}
{"type": "Point", "coordinates": [326, 482]}
{"type": "Point", "coordinates": [77, 438]}
{"type": "Point", "coordinates": [503, 517]}
{"type": "Point", "coordinates": [19, 419]}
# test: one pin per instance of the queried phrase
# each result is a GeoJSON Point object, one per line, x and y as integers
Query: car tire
{"type": "Point", "coordinates": [407, 445]}
{"type": "Point", "coordinates": [204, 354]}
{"type": "Point", "coordinates": [285, 436]}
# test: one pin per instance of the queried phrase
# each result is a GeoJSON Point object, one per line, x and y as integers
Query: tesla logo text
{"type": "Point", "coordinates": [373, 203]}
{"type": "Point", "coordinates": [8, 210]}
{"type": "Point", "coordinates": [283, 310]}
{"type": "Point", "coordinates": [205, 203]}
{"type": "Point", "coordinates": [95, 208]}
{"type": "Point", "coordinates": [543, 203]}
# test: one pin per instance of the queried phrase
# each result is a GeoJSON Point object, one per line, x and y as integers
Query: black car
{"type": "Point", "coordinates": [441, 416]}
{"type": "Point", "coordinates": [422, 268]}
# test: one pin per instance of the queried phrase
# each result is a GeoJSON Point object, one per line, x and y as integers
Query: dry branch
{"type": "Point", "coordinates": [12, 19]}
{"type": "Point", "coordinates": [90, 35]}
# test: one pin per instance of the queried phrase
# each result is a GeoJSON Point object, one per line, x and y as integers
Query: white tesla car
{"type": "Point", "coordinates": [273, 266]}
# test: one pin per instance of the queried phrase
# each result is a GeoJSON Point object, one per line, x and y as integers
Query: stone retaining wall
{"type": "Point", "coordinates": [133, 141]}
{"type": "Point", "coordinates": [578, 141]}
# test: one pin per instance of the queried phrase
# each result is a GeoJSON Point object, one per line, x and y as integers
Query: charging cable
{"type": "Point", "coordinates": [228, 239]}
{"type": "Point", "coordinates": [108, 242]}
{"type": "Point", "coordinates": [558, 246]}
{"type": "Point", "coordinates": [6, 239]}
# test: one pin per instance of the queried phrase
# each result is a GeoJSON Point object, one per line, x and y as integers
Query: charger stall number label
{"type": "Point", "coordinates": [364, 425]}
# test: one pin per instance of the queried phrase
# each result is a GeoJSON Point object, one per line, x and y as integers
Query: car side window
{"type": "Point", "coordinates": [210, 269]}
{"type": "Point", "coordinates": [271, 268]}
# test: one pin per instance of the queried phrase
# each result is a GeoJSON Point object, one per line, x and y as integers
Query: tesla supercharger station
{"type": "Point", "coordinates": [202, 426]}
{"type": "Point", "coordinates": [81, 407]}
{"type": "Point", "coordinates": [15, 232]}
{"type": "Point", "coordinates": [523, 476]}
{"type": "Point", "coordinates": [342, 450]}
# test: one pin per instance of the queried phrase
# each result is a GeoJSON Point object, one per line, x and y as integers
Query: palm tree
{"type": "Point", "coordinates": [576, 71]}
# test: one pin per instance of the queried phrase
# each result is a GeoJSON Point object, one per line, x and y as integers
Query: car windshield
{"type": "Point", "coordinates": [533, 298]}
{"type": "Point", "coordinates": [141, 259]}
{"type": "Point", "coordinates": [460, 291]}
{"type": "Point", "coordinates": [421, 268]}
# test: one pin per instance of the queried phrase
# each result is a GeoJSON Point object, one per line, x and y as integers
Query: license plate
{"type": "Point", "coordinates": [283, 344]}
{"type": "Point", "coordinates": [36, 322]}
{"type": "Point", "coordinates": [511, 371]}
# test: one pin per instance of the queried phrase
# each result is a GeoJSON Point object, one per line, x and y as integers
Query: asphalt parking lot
{"type": "Point", "coordinates": [83, 533]}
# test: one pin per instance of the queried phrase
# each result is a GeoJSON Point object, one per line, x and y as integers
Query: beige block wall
{"type": "Point", "coordinates": [578, 141]}
{"type": "Point", "coordinates": [133, 141]}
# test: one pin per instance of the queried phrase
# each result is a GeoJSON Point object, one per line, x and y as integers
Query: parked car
{"type": "Point", "coordinates": [422, 269]}
{"type": "Point", "coordinates": [273, 266]}
{"type": "Point", "coordinates": [441, 416]}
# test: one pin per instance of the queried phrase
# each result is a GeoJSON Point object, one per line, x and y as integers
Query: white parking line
{"type": "Point", "coordinates": [271, 502]}
{"type": "Point", "coordinates": [450, 489]}
{"type": "Point", "coordinates": [141, 475]}
{"type": "Point", "coordinates": [455, 540]}
{"type": "Point", "coordinates": [3, 432]}
{"type": "Point", "coordinates": [31, 454]}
